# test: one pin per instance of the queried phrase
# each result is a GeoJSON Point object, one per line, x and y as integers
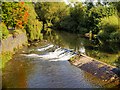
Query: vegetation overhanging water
{"type": "Point", "coordinates": [98, 21]}
{"type": "Point", "coordinates": [108, 53]}
{"type": "Point", "coordinates": [31, 71]}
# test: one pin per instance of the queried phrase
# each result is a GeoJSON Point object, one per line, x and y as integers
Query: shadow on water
{"type": "Point", "coordinates": [107, 52]}
{"type": "Point", "coordinates": [33, 72]}
{"type": "Point", "coordinates": [26, 73]}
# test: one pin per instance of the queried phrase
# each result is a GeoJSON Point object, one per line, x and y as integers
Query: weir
{"type": "Point", "coordinates": [107, 73]}
{"type": "Point", "coordinates": [48, 67]}
{"type": "Point", "coordinates": [101, 70]}
{"type": "Point", "coordinates": [57, 55]}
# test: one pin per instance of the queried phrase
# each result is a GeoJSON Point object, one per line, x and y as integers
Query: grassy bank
{"type": "Point", "coordinates": [111, 59]}
{"type": "Point", "coordinates": [17, 18]}
{"type": "Point", "coordinates": [5, 56]}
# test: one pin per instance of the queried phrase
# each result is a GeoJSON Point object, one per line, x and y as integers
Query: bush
{"type": "Point", "coordinates": [110, 29]}
{"type": "Point", "coordinates": [6, 56]}
{"type": "Point", "coordinates": [0, 33]}
{"type": "Point", "coordinates": [14, 14]}
{"type": "Point", "coordinates": [115, 36]}
{"type": "Point", "coordinates": [110, 24]}
{"type": "Point", "coordinates": [4, 31]}
{"type": "Point", "coordinates": [33, 27]}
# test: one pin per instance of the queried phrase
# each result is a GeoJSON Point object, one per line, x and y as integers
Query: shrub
{"type": "Point", "coordinates": [6, 56]}
{"type": "Point", "coordinates": [33, 27]}
{"type": "Point", "coordinates": [4, 31]}
{"type": "Point", "coordinates": [0, 33]}
{"type": "Point", "coordinates": [115, 36]}
{"type": "Point", "coordinates": [14, 14]}
{"type": "Point", "coordinates": [110, 29]}
{"type": "Point", "coordinates": [110, 24]}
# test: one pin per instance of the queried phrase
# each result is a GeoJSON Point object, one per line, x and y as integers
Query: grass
{"type": "Point", "coordinates": [112, 20]}
{"type": "Point", "coordinates": [5, 57]}
{"type": "Point", "coordinates": [111, 59]}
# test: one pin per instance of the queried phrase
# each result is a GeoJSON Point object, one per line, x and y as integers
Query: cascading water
{"type": "Point", "coordinates": [59, 54]}
{"type": "Point", "coordinates": [45, 48]}
{"type": "Point", "coordinates": [47, 66]}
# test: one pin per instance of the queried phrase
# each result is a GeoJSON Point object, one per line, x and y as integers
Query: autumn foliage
{"type": "Point", "coordinates": [23, 17]}
{"type": "Point", "coordinates": [15, 15]}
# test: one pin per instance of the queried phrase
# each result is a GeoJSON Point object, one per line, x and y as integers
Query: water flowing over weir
{"type": "Point", "coordinates": [47, 67]}
{"type": "Point", "coordinates": [59, 54]}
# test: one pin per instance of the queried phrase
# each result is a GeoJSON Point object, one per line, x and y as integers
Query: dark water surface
{"type": "Point", "coordinates": [27, 72]}
{"type": "Point", "coordinates": [106, 52]}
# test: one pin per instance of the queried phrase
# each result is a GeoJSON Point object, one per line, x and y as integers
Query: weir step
{"type": "Point", "coordinates": [103, 71]}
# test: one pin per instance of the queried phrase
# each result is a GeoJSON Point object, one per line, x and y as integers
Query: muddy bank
{"type": "Point", "coordinates": [107, 73]}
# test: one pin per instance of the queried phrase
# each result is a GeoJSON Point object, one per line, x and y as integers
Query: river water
{"type": "Point", "coordinates": [47, 66]}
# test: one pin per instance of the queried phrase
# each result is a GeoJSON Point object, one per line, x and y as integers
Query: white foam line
{"type": "Point", "coordinates": [45, 48]}
{"type": "Point", "coordinates": [58, 55]}
{"type": "Point", "coordinates": [31, 55]}
{"type": "Point", "coordinates": [65, 57]}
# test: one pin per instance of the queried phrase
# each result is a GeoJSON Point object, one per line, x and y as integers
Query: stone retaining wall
{"type": "Point", "coordinates": [10, 43]}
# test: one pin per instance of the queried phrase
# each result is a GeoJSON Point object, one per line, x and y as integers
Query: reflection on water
{"type": "Point", "coordinates": [25, 72]}
{"type": "Point", "coordinates": [30, 68]}
{"type": "Point", "coordinates": [67, 40]}
{"type": "Point", "coordinates": [108, 52]}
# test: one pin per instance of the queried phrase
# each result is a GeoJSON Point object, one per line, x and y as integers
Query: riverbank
{"type": "Point", "coordinates": [30, 71]}
{"type": "Point", "coordinates": [103, 71]}
{"type": "Point", "coordinates": [10, 45]}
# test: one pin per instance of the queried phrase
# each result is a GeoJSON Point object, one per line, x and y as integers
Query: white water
{"type": "Point", "coordinates": [45, 48]}
{"type": "Point", "coordinates": [82, 50]}
{"type": "Point", "coordinates": [58, 54]}
{"type": "Point", "coordinates": [31, 55]}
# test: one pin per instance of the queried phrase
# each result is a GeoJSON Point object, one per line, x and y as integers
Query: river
{"type": "Point", "coordinates": [47, 65]}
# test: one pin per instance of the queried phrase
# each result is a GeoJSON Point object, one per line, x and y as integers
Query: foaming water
{"type": "Point", "coordinates": [47, 66]}
{"type": "Point", "coordinates": [59, 54]}
{"type": "Point", "coordinates": [31, 55]}
{"type": "Point", "coordinates": [48, 70]}
{"type": "Point", "coordinates": [45, 48]}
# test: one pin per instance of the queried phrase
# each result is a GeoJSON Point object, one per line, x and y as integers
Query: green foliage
{"type": "Point", "coordinates": [33, 27]}
{"type": "Point", "coordinates": [117, 5]}
{"type": "Point", "coordinates": [21, 15]}
{"type": "Point", "coordinates": [50, 12]}
{"type": "Point", "coordinates": [42, 9]}
{"type": "Point", "coordinates": [100, 20]}
{"type": "Point", "coordinates": [0, 33]}
{"type": "Point", "coordinates": [110, 30]}
{"type": "Point", "coordinates": [95, 14]}
{"type": "Point", "coordinates": [115, 36]}
{"type": "Point", "coordinates": [112, 59]}
{"type": "Point", "coordinates": [45, 10]}
{"type": "Point", "coordinates": [14, 14]}
{"type": "Point", "coordinates": [68, 24]}
{"type": "Point", "coordinates": [6, 56]}
{"type": "Point", "coordinates": [4, 31]}
{"type": "Point", "coordinates": [83, 17]}
{"type": "Point", "coordinates": [75, 20]}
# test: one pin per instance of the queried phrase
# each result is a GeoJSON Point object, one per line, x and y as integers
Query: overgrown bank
{"type": "Point", "coordinates": [18, 27]}
{"type": "Point", "coordinates": [98, 22]}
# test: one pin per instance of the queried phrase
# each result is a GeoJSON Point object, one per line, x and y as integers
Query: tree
{"type": "Point", "coordinates": [14, 14]}
{"type": "Point", "coordinates": [48, 12]}
{"type": "Point", "coordinates": [33, 27]}
{"type": "Point", "coordinates": [75, 20]}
